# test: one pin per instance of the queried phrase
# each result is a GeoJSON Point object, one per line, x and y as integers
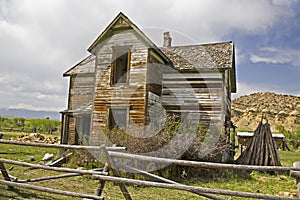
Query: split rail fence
{"type": "Point", "coordinates": [111, 166]}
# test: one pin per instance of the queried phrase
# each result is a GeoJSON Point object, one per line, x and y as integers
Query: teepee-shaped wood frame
{"type": "Point", "coordinates": [262, 148]}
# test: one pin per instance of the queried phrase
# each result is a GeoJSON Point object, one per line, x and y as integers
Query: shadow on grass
{"type": "Point", "coordinates": [10, 153]}
{"type": "Point", "coordinates": [21, 194]}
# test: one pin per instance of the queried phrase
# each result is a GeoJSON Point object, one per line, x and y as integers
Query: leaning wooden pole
{"type": "Point", "coordinates": [49, 190]}
{"type": "Point", "coordinates": [164, 180]}
{"type": "Point", "coordinates": [101, 184]}
{"type": "Point", "coordinates": [262, 148]}
{"type": "Point", "coordinates": [116, 172]}
{"type": "Point", "coordinates": [58, 169]}
{"type": "Point", "coordinates": [47, 178]}
{"type": "Point", "coordinates": [4, 173]}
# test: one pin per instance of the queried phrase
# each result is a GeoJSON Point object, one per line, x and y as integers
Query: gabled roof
{"type": "Point", "coordinates": [122, 22]}
{"type": "Point", "coordinates": [87, 65]}
{"type": "Point", "coordinates": [215, 56]}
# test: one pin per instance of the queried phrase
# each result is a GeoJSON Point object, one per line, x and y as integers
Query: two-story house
{"type": "Point", "coordinates": [127, 82]}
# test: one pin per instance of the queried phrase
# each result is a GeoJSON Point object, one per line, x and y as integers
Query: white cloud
{"type": "Point", "coordinates": [31, 107]}
{"type": "Point", "coordinates": [42, 39]}
{"type": "Point", "coordinates": [283, 2]}
{"type": "Point", "coordinates": [271, 55]}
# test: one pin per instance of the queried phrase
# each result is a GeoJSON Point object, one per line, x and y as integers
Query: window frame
{"type": "Point", "coordinates": [109, 118]}
{"type": "Point", "coordinates": [114, 66]}
{"type": "Point", "coordinates": [83, 127]}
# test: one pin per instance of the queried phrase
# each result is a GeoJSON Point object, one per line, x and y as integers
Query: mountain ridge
{"type": "Point", "coordinates": [279, 109]}
{"type": "Point", "coordinates": [29, 114]}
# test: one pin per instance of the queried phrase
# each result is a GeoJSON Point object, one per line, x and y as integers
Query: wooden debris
{"type": "Point", "coordinates": [59, 161]}
{"type": "Point", "coordinates": [36, 137]}
{"type": "Point", "coordinates": [262, 149]}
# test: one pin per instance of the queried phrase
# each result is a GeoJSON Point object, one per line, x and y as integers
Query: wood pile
{"type": "Point", "coordinates": [262, 149]}
{"type": "Point", "coordinates": [36, 137]}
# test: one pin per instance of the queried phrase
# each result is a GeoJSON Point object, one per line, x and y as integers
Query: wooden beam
{"type": "Point", "coordinates": [116, 172]}
{"type": "Point", "coordinates": [158, 178]}
{"type": "Point", "coordinates": [4, 173]}
{"type": "Point", "coordinates": [190, 188]}
{"type": "Point", "coordinates": [59, 169]}
{"type": "Point", "coordinates": [102, 182]}
{"type": "Point", "coordinates": [296, 174]}
{"type": "Point", "coordinates": [198, 164]}
{"type": "Point", "coordinates": [49, 190]}
{"type": "Point", "coordinates": [47, 178]}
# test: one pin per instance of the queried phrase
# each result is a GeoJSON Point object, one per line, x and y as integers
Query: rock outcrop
{"type": "Point", "coordinates": [246, 111]}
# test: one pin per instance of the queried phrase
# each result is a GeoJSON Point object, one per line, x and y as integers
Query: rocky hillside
{"type": "Point", "coordinates": [279, 109]}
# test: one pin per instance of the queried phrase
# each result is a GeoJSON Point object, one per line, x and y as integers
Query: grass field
{"type": "Point", "coordinates": [254, 182]}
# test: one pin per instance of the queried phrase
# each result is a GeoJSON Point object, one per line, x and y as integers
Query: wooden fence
{"type": "Point", "coordinates": [113, 152]}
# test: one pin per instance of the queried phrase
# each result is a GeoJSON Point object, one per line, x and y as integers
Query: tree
{"type": "Point", "coordinates": [280, 129]}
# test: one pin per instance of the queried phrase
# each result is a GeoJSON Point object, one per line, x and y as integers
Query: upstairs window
{"type": "Point", "coordinates": [120, 65]}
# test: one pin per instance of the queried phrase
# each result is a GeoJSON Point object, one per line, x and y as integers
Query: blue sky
{"type": "Point", "coordinates": [39, 40]}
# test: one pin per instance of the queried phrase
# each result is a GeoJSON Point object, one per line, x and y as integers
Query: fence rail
{"type": "Point", "coordinates": [49, 190]}
{"type": "Point", "coordinates": [113, 153]}
{"type": "Point", "coordinates": [200, 164]}
{"type": "Point", "coordinates": [168, 184]}
{"type": "Point", "coordinates": [190, 188]}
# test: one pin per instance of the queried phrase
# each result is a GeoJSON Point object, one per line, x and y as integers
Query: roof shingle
{"type": "Point", "coordinates": [205, 56]}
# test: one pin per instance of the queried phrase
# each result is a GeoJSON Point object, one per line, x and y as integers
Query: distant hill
{"type": "Point", "coordinates": [279, 109]}
{"type": "Point", "coordinates": [29, 114]}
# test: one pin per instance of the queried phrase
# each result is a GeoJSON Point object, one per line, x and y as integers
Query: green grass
{"type": "Point", "coordinates": [255, 182]}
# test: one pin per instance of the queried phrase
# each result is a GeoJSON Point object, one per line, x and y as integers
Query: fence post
{"type": "Point", "coordinates": [296, 174]}
{"type": "Point", "coordinates": [4, 173]}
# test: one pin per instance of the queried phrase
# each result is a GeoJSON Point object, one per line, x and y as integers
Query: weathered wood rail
{"type": "Point", "coordinates": [192, 189]}
{"type": "Point", "coordinates": [155, 159]}
{"type": "Point", "coordinates": [164, 183]}
{"type": "Point", "coordinates": [200, 164]}
{"type": "Point", "coordinates": [296, 174]}
{"type": "Point", "coordinates": [49, 190]}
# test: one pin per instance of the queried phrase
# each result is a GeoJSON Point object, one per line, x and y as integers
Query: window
{"type": "Point", "coordinates": [82, 129]}
{"type": "Point", "coordinates": [118, 117]}
{"type": "Point", "coordinates": [120, 65]}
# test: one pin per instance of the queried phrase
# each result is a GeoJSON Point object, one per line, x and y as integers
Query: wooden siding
{"type": "Point", "coordinates": [192, 91]}
{"type": "Point", "coordinates": [80, 94]}
{"type": "Point", "coordinates": [154, 73]}
{"type": "Point", "coordinates": [81, 90]}
{"type": "Point", "coordinates": [154, 107]}
{"type": "Point", "coordinates": [131, 94]}
{"type": "Point", "coordinates": [72, 133]}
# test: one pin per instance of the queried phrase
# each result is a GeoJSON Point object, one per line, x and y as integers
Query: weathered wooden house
{"type": "Point", "coordinates": [127, 79]}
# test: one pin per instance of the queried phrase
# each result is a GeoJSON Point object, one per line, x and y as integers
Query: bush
{"type": "Point", "coordinates": [292, 137]}
{"type": "Point", "coordinates": [190, 148]}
